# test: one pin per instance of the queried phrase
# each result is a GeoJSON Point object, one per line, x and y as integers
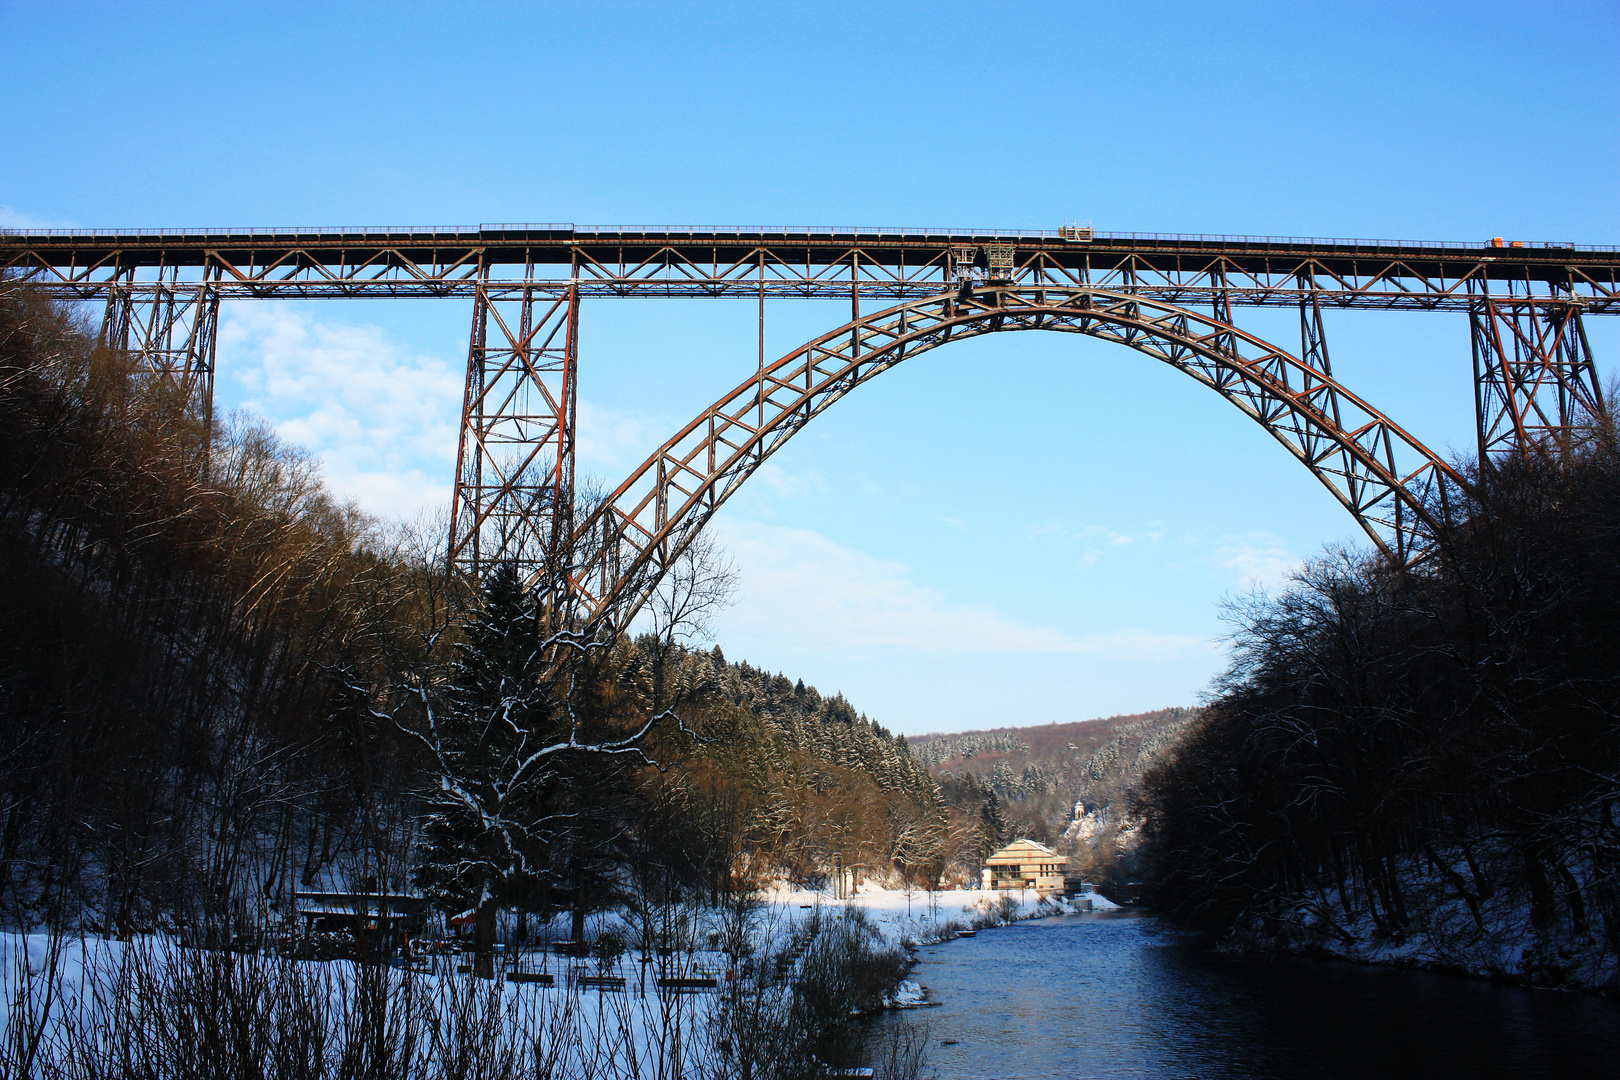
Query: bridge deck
{"type": "Point", "coordinates": [807, 262]}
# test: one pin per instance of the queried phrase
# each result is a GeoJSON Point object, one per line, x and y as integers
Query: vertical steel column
{"type": "Point", "coordinates": [855, 301]}
{"type": "Point", "coordinates": [759, 396]}
{"type": "Point", "coordinates": [515, 464]}
{"type": "Point", "coordinates": [1534, 380]}
{"type": "Point", "coordinates": [1313, 347]}
{"type": "Point", "coordinates": [567, 423]}
{"type": "Point", "coordinates": [1220, 304]}
{"type": "Point", "coordinates": [1312, 338]}
{"type": "Point", "coordinates": [168, 331]}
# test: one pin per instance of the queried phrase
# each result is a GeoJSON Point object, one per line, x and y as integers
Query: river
{"type": "Point", "coordinates": [1114, 995]}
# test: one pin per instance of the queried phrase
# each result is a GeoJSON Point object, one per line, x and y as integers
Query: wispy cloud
{"type": "Point", "coordinates": [1092, 536]}
{"type": "Point", "coordinates": [613, 442]}
{"type": "Point", "coordinates": [1102, 534]}
{"type": "Point", "coordinates": [779, 483]}
{"type": "Point", "coordinates": [1095, 541]}
{"type": "Point", "coordinates": [1255, 560]}
{"type": "Point", "coordinates": [12, 218]}
{"type": "Point", "coordinates": [805, 591]}
{"type": "Point", "coordinates": [382, 419]}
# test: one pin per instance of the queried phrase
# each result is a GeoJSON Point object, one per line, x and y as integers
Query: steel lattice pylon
{"type": "Point", "coordinates": [168, 331]}
{"type": "Point", "coordinates": [515, 464]}
{"type": "Point", "coordinates": [1534, 380]}
{"type": "Point", "coordinates": [1382, 475]}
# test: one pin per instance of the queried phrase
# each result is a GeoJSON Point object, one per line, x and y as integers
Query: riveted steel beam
{"type": "Point", "coordinates": [515, 461]}
{"type": "Point", "coordinates": [1534, 380]}
{"type": "Point", "coordinates": [894, 264]}
{"type": "Point", "coordinates": [1382, 475]}
{"type": "Point", "coordinates": [168, 332]}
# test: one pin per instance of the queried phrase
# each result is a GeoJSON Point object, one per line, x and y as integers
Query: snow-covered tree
{"type": "Point", "coordinates": [1003, 781]}
{"type": "Point", "coordinates": [531, 707]}
{"type": "Point", "coordinates": [1034, 781]}
{"type": "Point", "coordinates": [992, 822]}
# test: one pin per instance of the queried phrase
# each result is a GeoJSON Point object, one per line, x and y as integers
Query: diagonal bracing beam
{"type": "Point", "coordinates": [1386, 479]}
{"type": "Point", "coordinates": [515, 464]}
{"type": "Point", "coordinates": [168, 330]}
{"type": "Point", "coordinates": [1534, 380]}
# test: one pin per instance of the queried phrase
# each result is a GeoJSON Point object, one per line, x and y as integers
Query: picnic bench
{"type": "Point", "coordinates": [576, 949]}
{"type": "Point", "coordinates": [602, 982]}
{"type": "Point", "coordinates": [538, 977]}
{"type": "Point", "coordinates": [699, 982]}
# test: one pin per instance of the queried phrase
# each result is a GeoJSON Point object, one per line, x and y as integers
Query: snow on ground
{"type": "Point", "coordinates": [84, 983]}
{"type": "Point", "coordinates": [919, 916]}
{"type": "Point", "coordinates": [73, 988]}
{"type": "Point", "coordinates": [1497, 939]}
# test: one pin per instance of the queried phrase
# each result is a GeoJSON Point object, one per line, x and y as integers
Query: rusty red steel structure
{"type": "Point", "coordinates": [1169, 296]}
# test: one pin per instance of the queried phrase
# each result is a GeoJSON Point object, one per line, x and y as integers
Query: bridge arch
{"type": "Point", "coordinates": [1378, 472]}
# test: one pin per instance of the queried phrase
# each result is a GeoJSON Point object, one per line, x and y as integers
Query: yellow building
{"type": "Point", "coordinates": [1024, 864]}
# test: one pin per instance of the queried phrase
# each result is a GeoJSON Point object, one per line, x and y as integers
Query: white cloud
{"type": "Point", "coordinates": [383, 421]}
{"type": "Point", "coordinates": [770, 478]}
{"type": "Point", "coordinates": [1255, 560]}
{"type": "Point", "coordinates": [801, 590]}
{"type": "Point", "coordinates": [12, 218]}
{"type": "Point", "coordinates": [1107, 535]}
{"type": "Point", "coordinates": [613, 442]}
{"type": "Point", "coordinates": [1092, 535]}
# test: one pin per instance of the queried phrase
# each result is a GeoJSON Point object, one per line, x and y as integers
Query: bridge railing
{"type": "Point", "coordinates": [599, 232]}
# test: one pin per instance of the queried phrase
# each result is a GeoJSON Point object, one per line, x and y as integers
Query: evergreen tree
{"type": "Point", "coordinates": [992, 823]}
{"type": "Point", "coordinates": [480, 835]}
{"type": "Point", "coordinates": [1034, 782]}
{"type": "Point", "coordinates": [1003, 781]}
{"type": "Point", "coordinates": [522, 735]}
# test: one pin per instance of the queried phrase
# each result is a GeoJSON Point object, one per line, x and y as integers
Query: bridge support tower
{"type": "Point", "coordinates": [515, 464]}
{"type": "Point", "coordinates": [168, 330]}
{"type": "Point", "coordinates": [1534, 379]}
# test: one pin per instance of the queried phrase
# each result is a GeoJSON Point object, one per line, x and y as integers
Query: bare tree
{"type": "Point", "coordinates": [522, 732]}
{"type": "Point", "coordinates": [700, 583]}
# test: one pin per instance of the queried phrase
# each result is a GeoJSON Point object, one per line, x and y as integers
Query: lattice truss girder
{"type": "Point", "coordinates": [672, 271]}
{"type": "Point", "coordinates": [282, 273]}
{"type": "Point", "coordinates": [515, 464]}
{"type": "Point", "coordinates": [786, 270]}
{"type": "Point", "coordinates": [1534, 379]}
{"type": "Point", "coordinates": [1382, 475]}
{"type": "Point", "coordinates": [169, 331]}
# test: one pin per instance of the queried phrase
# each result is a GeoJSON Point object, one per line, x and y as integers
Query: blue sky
{"type": "Point", "coordinates": [1019, 529]}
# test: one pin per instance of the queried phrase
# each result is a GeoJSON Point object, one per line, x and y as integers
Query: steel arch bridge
{"type": "Point", "coordinates": [1377, 471]}
{"type": "Point", "coordinates": [1169, 297]}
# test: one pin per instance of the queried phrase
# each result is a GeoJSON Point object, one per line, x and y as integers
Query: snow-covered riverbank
{"type": "Point", "coordinates": [919, 917]}
{"type": "Point", "coordinates": [1495, 938]}
{"type": "Point", "coordinates": [740, 983]}
{"type": "Point", "coordinates": [77, 1006]}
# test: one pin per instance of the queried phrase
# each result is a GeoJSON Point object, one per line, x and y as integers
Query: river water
{"type": "Point", "coordinates": [1114, 995]}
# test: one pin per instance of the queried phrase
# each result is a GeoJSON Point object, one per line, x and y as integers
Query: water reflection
{"type": "Point", "coordinates": [1110, 995]}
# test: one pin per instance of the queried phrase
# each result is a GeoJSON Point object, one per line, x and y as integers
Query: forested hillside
{"type": "Point", "coordinates": [1423, 764]}
{"type": "Point", "coordinates": [1064, 785]}
{"type": "Point", "coordinates": [218, 684]}
{"type": "Point", "coordinates": [803, 782]}
{"type": "Point", "coordinates": [175, 724]}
